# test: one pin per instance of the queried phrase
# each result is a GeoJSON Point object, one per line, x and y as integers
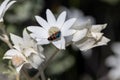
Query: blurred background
{"type": "Point", "coordinates": [71, 64]}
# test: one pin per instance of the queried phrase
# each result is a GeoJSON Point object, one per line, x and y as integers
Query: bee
{"type": "Point", "coordinates": [54, 36]}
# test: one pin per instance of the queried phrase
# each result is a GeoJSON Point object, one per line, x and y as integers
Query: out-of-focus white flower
{"type": "Point", "coordinates": [81, 18]}
{"type": "Point", "coordinates": [91, 37]}
{"type": "Point", "coordinates": [113, 61]}
{"type": "Point", "coordinates": [4, 7]}
{"type": "Point", "coordinates": [25, 51]}
{"type": "Point", "coordinates": [52, 31]}
{"type": "Point", "coordinates": [77, 13]}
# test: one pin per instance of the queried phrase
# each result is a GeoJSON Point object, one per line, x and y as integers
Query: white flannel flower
{"type": "Point", "coordinates": [4, 7]}
{"type": "Point", "coordinates": [25, 51]}
{"type": "Point", "coordinates": [90, 37]}
{"type": "Point", "coordinates": [52, 31]}
{"type": "Point", "coordinates": [113, 61]}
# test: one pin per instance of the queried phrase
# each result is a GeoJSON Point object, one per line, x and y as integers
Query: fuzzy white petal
{"type": "Point", "coordinates": [16, 39]}
{"type": "Point", "coordinates": [61, 19]}
{"type": "Point", "coordinates": [42, 41]}
{"type": "Point", "coordinates": [3, 6]}
{"type": "Point", "coordinates": [28, 42]}
{"type": "Point", "coordinates": [42, 22]}
{"type": "Point", "coordinates": [38, 32]}
{"type": "Point", "coordinates": [60, 44]}
{"type": "Point", "coordinates": [116, 48]}
{"type": "Point", "coordinates": [111, 61]}
{"type": "Point", "coordinates": [7, 6]}
{"type": "Point", "coordinates": [79, 27]}
{"type": "Point", "coordinates": [97, 35]}
{"type": "Point", "coordinates": [68, 32]}
{"type": "Point", "coordinates": [29, 51]}
{"type": "Point", "coordinates": [17, 47]}
{"type": "Point", "coordinates": [103, 41]}
{"type": "Point", "coordinates": [98, 28]}
{"type": "Point", "coordinates": [35, 60]}
{"type": "Point", "coordinates": [50, 18]}
{"type": "Point", "coordinates": [19, 68]}
{"type": "Point", "coordinates": [10, 53]}
{"type": "Point", "coordinates": [68, 24]}
{"type": "Point", "coordinates": [84, 46]}
{"type": "Point", "coordinates": [114, 74]}
{"type": "Point", "coordinates": [26, 36]}
{"type": "Point", "coordinates": [80, 34]}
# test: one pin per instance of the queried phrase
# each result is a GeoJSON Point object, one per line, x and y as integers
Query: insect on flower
{"type": "Point", "coordinates": [54, 36]}
{"type": "Point", "coordinates": [53, 30]}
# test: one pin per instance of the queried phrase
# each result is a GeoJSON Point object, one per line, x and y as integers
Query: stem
{"type": "Point", "coordinates": [17, 77]}
{"type": "Point", "coordinates": [6, 41]}
{"type": "Point", "coordinates": [49, 60]}
{"type": "Point", "coordinates": [42, 75]}
{"type": "Point", "coordinates": [25, 74]}
{"type": "Point", "coordinates": [41, 70]}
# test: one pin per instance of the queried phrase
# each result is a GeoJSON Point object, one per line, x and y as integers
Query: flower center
{"type": "Point", "coordinates": [17, 60]}
{"type": "Point", "coordinates": [54, 33]}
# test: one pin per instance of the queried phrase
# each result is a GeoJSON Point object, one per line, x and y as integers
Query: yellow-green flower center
{"type": "Point", "coordinates": [53, 30]}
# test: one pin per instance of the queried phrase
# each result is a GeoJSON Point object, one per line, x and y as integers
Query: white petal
{"type": "Point", "coordinates": [96, 35]}
{"type": "Point", "coordinates": [85, 45]}
{"type": "Point", "coordinates": [111, 61]}
{"type": "Point", "coordinates": [116, 48]}
{"type": "Point", "coordinates": [1, 19]}
{"type": "Point", "coordinates": [10, 53]}
{"type": "Point", "coordinates": [17, 47]}
{"type": "Point", "coordinates": [68, 24]}
{"type": "Point", "coordinates": [40, 50]}
{"type": "Point", "coordinates": [80, 34]}
{"type": "Point", "coordinates": [50, 18]}
{"type": "Point", "coordinates": [38, 32]}
{"type": "Point", "coordinates": [82, 26]}
{"type": "Point", "coordinates": [42, 41]}
{"type": "Point", "coordinates": [29, 51]}
{"type": "Point", "coordinates": [19, 68]}
{"type": "Point", "coordinates": [61, 19]}
{"type": "Point", "coordinates": [98, 28]}
{"type": "Point", "coordinates": [7, 6]}
{"type": "Point", "coordinates": [3, 6]}
{"type": "Point", "coordinates": [60, 44]}
{"type": "Point", "coordinates": [26, 36]}
{"type": "Point", "coordinates": [68, 32]}
{"type": "Point", "coordinates": [16, 39]}
{"type": "Point", "coordinates": [35, 61]}
{"type": "Point", "coordinates": [42, 22]}
{"type": "Point", "coordinates": [28, 41]}
{"type": "Point", "coordinates": [103, 41]}
{"type": "Point", "coordinates": [114, 74]}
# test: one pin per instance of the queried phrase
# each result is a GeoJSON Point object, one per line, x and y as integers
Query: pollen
{"type": "Point", "coordinates": [17, 60]}
{"type": "Point", "coordinates": [53, 30]}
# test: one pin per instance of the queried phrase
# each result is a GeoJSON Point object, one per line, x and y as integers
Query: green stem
{"type": "Point", "coordinates": [46, 64]}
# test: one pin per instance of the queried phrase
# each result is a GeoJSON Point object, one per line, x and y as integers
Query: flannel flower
{"type": "Point", "coordinates": [113, 62]}
{"type": "Point", "coordinates": [25, 51]}
{"type": "Point", "coordinates": [4, 7]}
{"type": "Point", "coordinates": [89, 36]}
{"type": "Point", "coordinates": [54, 31]}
